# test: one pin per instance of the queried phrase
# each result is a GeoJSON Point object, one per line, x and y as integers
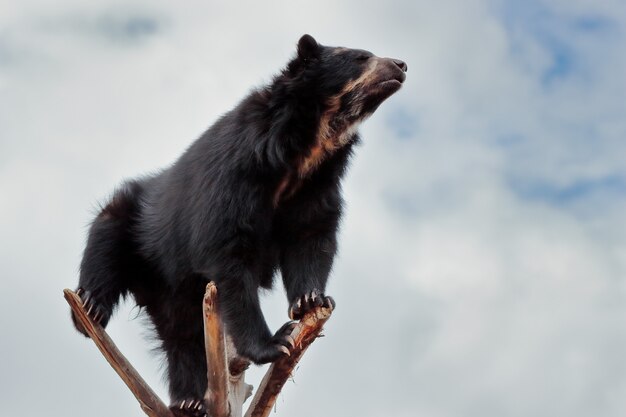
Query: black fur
{"type": "Point", "coordinates": [257, 193]}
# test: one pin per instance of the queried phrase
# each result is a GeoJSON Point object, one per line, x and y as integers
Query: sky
{"type": "Point", "coordinates": [482, 263]}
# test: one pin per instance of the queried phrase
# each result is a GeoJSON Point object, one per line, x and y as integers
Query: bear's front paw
{"type": "Point", "coordinates": [278, 346]}
{"type": "Point", "coordinates": [189, 408]}
{"type": "Point", "coordinates": [96, 312]}
{"type": "Point", "coordinates": [307, 302]}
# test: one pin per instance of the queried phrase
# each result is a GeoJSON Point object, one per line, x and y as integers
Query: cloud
{"type": "Point", "coordinates": [402, 123]}
{"type": "Point", "coordinates": [611, 187]}
{"type": "Point", "coordinates": [118, 28]}
{"type": "Point", "coordinates": [595, 24]}
{"type": "Point", "coordinates": [5, 53]}
{"type": "Point", "coordinates": [483, 250]}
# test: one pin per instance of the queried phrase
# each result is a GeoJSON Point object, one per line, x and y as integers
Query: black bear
{"type": "Point", "coordinates": [258, 192]}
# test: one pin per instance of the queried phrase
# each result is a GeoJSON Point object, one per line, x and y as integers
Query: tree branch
{"type": "Point", "coordinates": [150, 403]}
{"type": "Point", "coordinates": [214, 342]}
{"type": "Point", "coordinates": [227, 389]}
{"type": "Point", "coordinates": [307, 330]}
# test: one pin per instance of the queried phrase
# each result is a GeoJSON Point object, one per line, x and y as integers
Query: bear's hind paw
{"type": "Point", "coordinates": [96, 312]}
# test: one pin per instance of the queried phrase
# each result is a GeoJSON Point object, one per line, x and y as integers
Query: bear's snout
{"type": "Point", "coordinates": [393, 69]}
{"type": "Point", "coordinates": [401, 64]}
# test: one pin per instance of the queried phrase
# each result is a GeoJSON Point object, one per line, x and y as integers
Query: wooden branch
{"type": "Point", "coordinates": [307, 330]}
{"type": "Point", "coordinates": [150, 403]}
{"type": "Point", "coordinates": [227, 389]}
{"type": "Point", "coordinates": [217, 373]}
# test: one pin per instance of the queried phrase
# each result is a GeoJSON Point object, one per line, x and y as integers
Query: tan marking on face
{"type": "Point", "coordinates": [323, 146]}
{"type": "Point", "coordinates": [346, 135]}
{"type": "Point", "coordinates": [328, 141]}
{"type": "Point", "coordinates": [368, 76]}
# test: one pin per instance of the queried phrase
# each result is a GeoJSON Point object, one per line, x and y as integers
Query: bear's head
{"type": "Point", "coordinates": [344, 85]}
{"type": "Point", "coordinates": [357, 78]}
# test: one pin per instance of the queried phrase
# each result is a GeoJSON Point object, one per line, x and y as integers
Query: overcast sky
{"type": "Point", "coordinates": [482, 266]}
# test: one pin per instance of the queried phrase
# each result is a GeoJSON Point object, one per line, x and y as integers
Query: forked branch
{"type": "Point", "coordinates": [226, 390]}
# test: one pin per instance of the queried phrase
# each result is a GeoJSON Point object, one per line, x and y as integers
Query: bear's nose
{"type": "Point", "coordinates": [401, 64]}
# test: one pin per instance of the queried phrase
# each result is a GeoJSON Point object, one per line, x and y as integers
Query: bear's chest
{"type": "Point", "coordinates": [287, 187]}
{"type": "Point", "coordinates": [321, 158]}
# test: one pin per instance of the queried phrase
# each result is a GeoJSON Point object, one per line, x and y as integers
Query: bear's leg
{"type": "Point", "coordinates": [305, 266]}
{"type": "Point", "coordinates": [187, 375]}
{"type": "Point", "coordinates": [243, 318]}
{"type": "Point", "coordinates": [109, 260]}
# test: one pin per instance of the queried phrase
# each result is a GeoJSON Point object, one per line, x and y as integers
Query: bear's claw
{"type": "Point", "coordinates": [189, 408]}
{"type": "Point", "coordinates": [278, 346]}
{"type": "Point", "coordinates": [94, 310]}
{"type": "Point", "coordinates": [283, 337]}
{"type": "Point", "coordinates": [308, 302]}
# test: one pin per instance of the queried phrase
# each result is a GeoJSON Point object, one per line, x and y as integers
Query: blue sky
{"type": "Point", "coordinates": [482, 264]}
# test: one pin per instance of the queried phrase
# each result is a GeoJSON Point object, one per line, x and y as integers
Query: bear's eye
{"type": "Point", "coordinates": [362, 58]}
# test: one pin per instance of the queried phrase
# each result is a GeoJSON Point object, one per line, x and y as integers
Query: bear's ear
{"type": "Point", "coordinates": [307, 48]}
{"type": "Point", "coordinates": [308, 52]}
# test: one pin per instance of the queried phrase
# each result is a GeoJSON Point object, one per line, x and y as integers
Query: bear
{"type": "Point", "coordinates": [258, 193]}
